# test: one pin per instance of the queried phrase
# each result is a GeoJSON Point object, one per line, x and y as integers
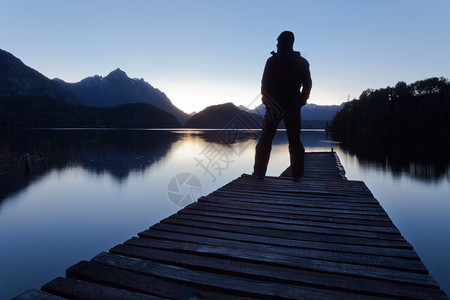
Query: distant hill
{"type": "Point", "coordinates": [309, 111]}
{"type": "Point", "coordinates": [319, 112]}
{"type": "Point", "coordinates": [224, 116]}
{"type": "Point", "coordinates": [18, 79]}
{"type": "Point", "coordinates": [116, 89]}
{"type": "Point", "coordinates": [313, 116]}
{"type": "Point", "coordinates": [40, 111]}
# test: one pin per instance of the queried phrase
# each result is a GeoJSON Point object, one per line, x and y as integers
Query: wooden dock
{"type": "Point", "coordinates": [324, 237]}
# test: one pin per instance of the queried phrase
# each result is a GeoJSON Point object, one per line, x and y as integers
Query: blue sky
{"type": "Point", "coordinates": [208, 52]}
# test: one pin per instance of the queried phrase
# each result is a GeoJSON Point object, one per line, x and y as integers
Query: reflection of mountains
{"type": "Point", "coordinates": [226, 137]}
{"type": "Point", "coordinates": [117, 152]}
{"type": "Point", "coordinates": [122, 152]}
{"type": "Point", "coordinates": [423, 159]}
{"type": "Point", "coordinates": [312, 139]}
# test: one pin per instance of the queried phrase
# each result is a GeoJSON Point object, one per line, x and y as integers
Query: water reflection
{"type": "Point", "coordinates": [100, 187]}
{"type": "Point", "coordinates": [115, 152]}
{"type": "Point", "coordinates": [120, 152]}
{"type": "Point", "coordinates": [423, 159]}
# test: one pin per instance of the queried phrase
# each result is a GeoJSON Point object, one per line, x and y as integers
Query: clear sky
{"type": "Point", "coordinates": [209, 52]}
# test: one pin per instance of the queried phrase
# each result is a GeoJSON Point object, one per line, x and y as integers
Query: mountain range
{"type": "Point", "coordinates": [93, 97]}
{"type": "Point", "coordinates": [116, 89]}
{"type": "Point", "coordinates": [17, 79]}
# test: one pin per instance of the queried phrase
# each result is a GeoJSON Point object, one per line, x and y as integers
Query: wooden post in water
{"type": "Point", "coordinates": [26, 161]}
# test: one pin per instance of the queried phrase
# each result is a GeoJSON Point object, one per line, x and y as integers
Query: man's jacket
{"type": "Point", "coordinates": [286, 80]}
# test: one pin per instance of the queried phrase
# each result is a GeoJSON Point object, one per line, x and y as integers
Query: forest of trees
{"type": "Point", "coordinates": [418, 109]}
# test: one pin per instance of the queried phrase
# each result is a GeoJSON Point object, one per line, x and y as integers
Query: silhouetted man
{"type": "Point", "coordinates": [285, 88]}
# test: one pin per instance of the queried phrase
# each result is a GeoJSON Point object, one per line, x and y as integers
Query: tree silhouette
{"type": "Point", "coordinates": [420, 108]}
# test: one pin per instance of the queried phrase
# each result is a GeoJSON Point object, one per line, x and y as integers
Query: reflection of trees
{"type": "Point", "coordinates": [405, 127]}
{"type": "Point", "coordinates": [117, 152]}
{"type": "Point", "coordinates": [424, 158]}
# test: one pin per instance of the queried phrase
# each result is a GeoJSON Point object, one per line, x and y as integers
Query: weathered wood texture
{"type": "Point", "coordinates": [33, 294]}
{"type": "Point", "coordinates": [324, 237]}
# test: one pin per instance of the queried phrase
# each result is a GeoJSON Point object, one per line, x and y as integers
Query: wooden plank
{"type": "Point", "coordinates": [289, 227]}
{"type": "Point", "coordinates": [293, 209]}
{"type": "Point", "coordinates": [275, 240]}
{"type": "Point", "coordinates": [299, 222]}
{"type": "Point", "coordinates": [357, 201]}
{"type": "Point", "coordinates": [350, 258]}
{"type": "Point", "coordinates": [344, 188]}
{"type": "Point", "coordinates": [291, 235]}
{"type": "Point", "coordinates": [122, 279]}
{"type": "Point", "coordinates": [266, 272]}
{"type": "Point", "coordinates": [287, 261]}
{"type": "Point", "coordinates": [335, 177]}
{"type": "Point", "coordinates": [300, 200]}
{"type": "Point", "coordinates": [227, 283]}
{"type": "Point", "coordinates": [287, 213]}
{"type": "Point", "coordinates": [303, 191]}
{"type": "Point", "coordinates": [211, 237]}
{"type": "Point", "coordinates": [313, 176]}
{"type": "Point", "coordinates": [330, 201]}
{"type": "Point", "coordinates": [350, 185]}
{"type": "Point", "coordinates": [300, 196]}
{"type": "Point", "coordinates": [319, 208]}
{"type": "Point", "coordinates": [33, 294]}
{"type": "Point", "coordinates": [310, 193]}
{"type": "Point", "coordinates": [72, 288]}
{"type": "Point", "coordinates": [337, 186]}
{"type": "Point", "coordinates": [250, 212]}
{"type": "Point", "coordinates": [287, 181]}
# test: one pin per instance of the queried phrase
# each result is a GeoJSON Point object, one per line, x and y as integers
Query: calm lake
{"type": "Point", "coordinates": [90, 190]}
